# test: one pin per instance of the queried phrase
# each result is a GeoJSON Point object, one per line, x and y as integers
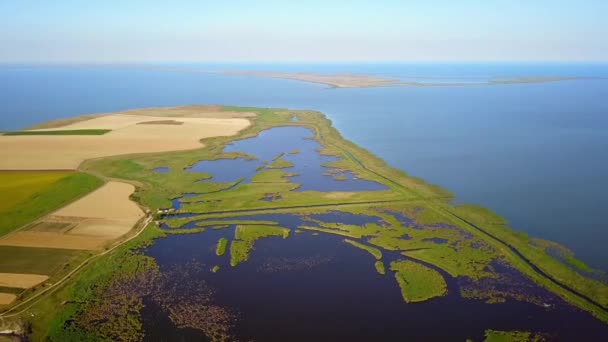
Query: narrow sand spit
{"type": "Point", "coordinates": [97, 219]}
{"type": "Point", "coordinates": [128, 135]}
{"type": "Point", "coordinates": [22, 281]}
{"type": "Point", "coordinates": [7, 298]}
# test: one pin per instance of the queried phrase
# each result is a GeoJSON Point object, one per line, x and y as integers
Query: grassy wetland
{"type": "Point", "coordinates": [348, 208]}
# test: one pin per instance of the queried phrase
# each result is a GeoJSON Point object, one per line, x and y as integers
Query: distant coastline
{"type": "Point", "coordinates": [369, 81]}
{"type": "Point", "coordinates": [355, 80]}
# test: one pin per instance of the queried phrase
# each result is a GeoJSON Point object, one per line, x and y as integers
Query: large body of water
{"type": "Point", "coordinates": [534, 153]}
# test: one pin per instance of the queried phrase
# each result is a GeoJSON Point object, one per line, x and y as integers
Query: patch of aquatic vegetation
{"type": "Point", "coordinates": [179, 222]}
{"type": "Point", "coordinates": [288, 264]}
{"type": "Point", "coordinates": [107, 299]}
{"type": "Point", "coordinates": [82, 311]}
{"type": "Point", "coordinates": [185, 231]}
{"type": "Point", "coordinates": [351, 231]}
{"type": "Point", "coordinates": [245, 237]}
{"type": "Point", "coordinates": [279, 163]}
{"type": "Point", "coordinates": [512, 336]}
{"type": "Point", "coordinates": [221, 246]}
{"type": "Point", "coordinates": [417, 282]}
{"type": "Point", "coordinates": [273, 176]}
{"type": "Point", "coordinates": [588, 286]}
{"type": "Point", "coordinates": [561, 253]}
{"type": "Point", "coordinates": [460, 255]}
{"type": "Point", "coordinates": [375, 252]}
{"type": "Point", "coordinates": [505, 283]}
{"type": "Point", "coordinates": [379, 265]}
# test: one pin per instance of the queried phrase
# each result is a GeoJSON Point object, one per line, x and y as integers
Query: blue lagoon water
{"type": "Point", "coordinates": [534, 153]}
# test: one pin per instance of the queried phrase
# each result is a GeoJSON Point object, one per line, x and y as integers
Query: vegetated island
{"type": "Point", "coordinates": [432, 239]}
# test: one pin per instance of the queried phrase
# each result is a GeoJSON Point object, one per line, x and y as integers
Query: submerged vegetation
{"type": "Point", "coordinates": [511, 336]}
{"type": "Point", "coordinates": [423, 239]}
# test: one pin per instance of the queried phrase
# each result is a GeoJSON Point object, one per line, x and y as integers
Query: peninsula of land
{"type": "Point", "coordinates": [72, 240]}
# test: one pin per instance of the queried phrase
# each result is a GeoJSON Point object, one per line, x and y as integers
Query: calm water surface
{"type": "Point", "coordinates": [534, 153]}
{"type": "Point", "coordinates": [311, 288]}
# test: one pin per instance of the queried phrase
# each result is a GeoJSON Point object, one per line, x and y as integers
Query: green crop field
{"type": "Point", "coordinates": [34, 260]}
{"type": "Point", "coordinates": [27, 195]}
{"type": "Point", "coordinates": [61, 132]}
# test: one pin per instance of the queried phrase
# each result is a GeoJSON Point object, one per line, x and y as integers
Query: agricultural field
{"type": "Point", "coordinates": [28, 195]}
{"type": "Point", "coordinates": [67, 146]}
{"type": "Point", "coordinates": [60, 132]}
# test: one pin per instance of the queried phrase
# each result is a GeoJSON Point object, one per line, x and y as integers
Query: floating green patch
{"type": "Point", "coordinates": [511, 336]}
{"type": "Point", "coordinates": [418, 283]}
{"type": "Point", "coordinates": [221, 246]}
{"type": "Point", "coordinates": [280, 163]}
{"type": "Point", "coordinates": [185, 231]}
{"type": "Point", "coordinates": [379, 265]}
{"type": "Point", "coordinates": [371, 250]}
{"type": "Point", "coordinates": [245, 236]}
{"type": "Point", "coordinates": [271, 176]}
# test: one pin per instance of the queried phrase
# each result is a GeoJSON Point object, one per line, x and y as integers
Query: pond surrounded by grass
{"type": "Point", "coordinates": [292, 145]}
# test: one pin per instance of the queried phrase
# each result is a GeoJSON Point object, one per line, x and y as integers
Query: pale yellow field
{"type": "Point", "coordinates": [7, 298]}
{"type": "Point", "coordinates": [21, 281]}
{"type": "Point", "coordinates": [110, 202]}
{"type": "Point", "coordinates": [128, 135]}
{"type": "Point", "coordinates": [97, 219]}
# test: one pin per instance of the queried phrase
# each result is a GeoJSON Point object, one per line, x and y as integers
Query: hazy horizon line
{"type": "Point", "coordinates": [532, 61]}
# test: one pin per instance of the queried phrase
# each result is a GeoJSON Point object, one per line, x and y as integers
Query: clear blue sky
{"type": "Point", "coordinates": [224, 30]}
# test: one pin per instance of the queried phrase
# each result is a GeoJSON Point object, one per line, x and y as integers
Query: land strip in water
{"type": "Point", "coordinates": [367, 81]}
{"type": "Point", "coordinates": [360, 80]}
